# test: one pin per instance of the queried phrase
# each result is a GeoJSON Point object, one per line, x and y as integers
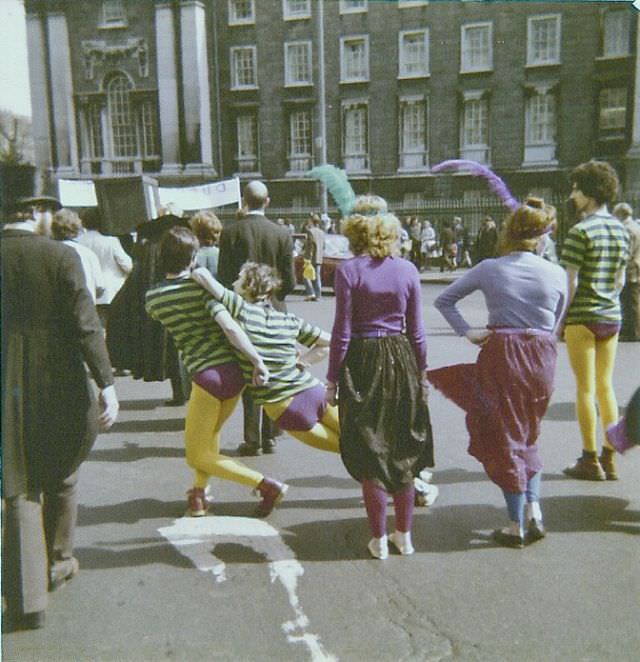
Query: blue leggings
{"type": "Point", "coordinates": [516, 500]}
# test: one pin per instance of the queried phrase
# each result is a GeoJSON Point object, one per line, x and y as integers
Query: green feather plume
{"type": "Point", "coordinates": [337, 184]}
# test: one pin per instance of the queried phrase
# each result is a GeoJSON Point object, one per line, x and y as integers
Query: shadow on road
{"type": "Point", "coordinates": [133, 452]}
{"type": "Point", "coordinates": [152, 425]}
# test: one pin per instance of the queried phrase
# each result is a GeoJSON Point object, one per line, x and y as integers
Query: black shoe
{"type": "Point", "coordinates": [535, 532]}
{"type": "Point", "coordinates": [508, 539]}
{"type": "Point", "coordinates": [17, 622]}
{"type": "Point", "coordinates": [247, 450]}
{"type": "Point", "coordinates": [175, 402]}
{"type": "Point", "coordinates": [269, 446]}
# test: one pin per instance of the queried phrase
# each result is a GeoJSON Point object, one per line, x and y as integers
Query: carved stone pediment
{"type": "Point", "coordinates": [99, 52]}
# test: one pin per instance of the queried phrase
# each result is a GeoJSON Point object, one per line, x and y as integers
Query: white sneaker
{"type": "Point", "coordinates": [426, 494]}
{"type": "Point", "coordinates": [402, 542]}
{"type": "Point", "coordinates": [378, 548]}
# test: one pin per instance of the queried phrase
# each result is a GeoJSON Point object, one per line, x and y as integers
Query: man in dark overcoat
{"type": "Point", "coordinates": [255, 238]}
{"type": "Point", "coordinates": [50, 414]}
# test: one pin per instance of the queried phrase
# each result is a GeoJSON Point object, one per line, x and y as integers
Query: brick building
{"type": "Point", "coordinates": [194, 90]}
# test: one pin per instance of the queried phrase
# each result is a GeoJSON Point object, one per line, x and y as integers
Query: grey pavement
{"type": "Point", "coordinates": [155, 585]}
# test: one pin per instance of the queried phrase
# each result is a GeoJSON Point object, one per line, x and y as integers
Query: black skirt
{"type": "Point", "coordinates": [385, 428]}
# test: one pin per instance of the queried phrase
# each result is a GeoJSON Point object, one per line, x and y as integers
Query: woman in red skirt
{"type": "Point", "coordinates": [505, 393]}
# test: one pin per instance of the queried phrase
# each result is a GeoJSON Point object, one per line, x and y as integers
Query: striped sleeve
{"type": "Point", "coordinates": [234, 303]}
{"type": "Point", "coordinates": [308, 334]}
{"type": "Point", "coordinates": [574, 249]}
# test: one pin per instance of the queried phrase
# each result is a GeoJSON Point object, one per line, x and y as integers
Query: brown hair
{"type": "Point", "coordinates": [257, 282]}
{"type": "Point", "coordinates": [207, 227]}
{"type": "Point", "coordinates": [524, 227]}
{"type": "Point", "coordinates": [65, 224]}
{"type": "Point", "coordinates": [177, 249]}
{"type": "Point", "coordinates": [371, 228]}
{"type": "Point", "coordinates": [597, 180]}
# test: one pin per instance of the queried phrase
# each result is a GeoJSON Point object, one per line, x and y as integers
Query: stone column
{"type": "Point", "coordinates": [64, 119]}
{"type": "Point", "coordinates": [39, 99]}
{"type": "Point", "coordinates": [168, 89]}
{"type": "Point", "coordinates": [196, 94]}
{"type": "Point", "coordinates": [632, 159]}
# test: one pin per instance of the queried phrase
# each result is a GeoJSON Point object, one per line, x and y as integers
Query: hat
{"type": "Point", "coordinates": [39, 201]}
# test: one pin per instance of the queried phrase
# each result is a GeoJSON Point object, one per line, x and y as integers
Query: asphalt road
{"type": "Point", "coordinates": [300, 586]}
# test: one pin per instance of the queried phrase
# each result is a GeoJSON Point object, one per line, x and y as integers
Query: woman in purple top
{"type": "Point", "coordinates": [506, 392]}
{"type": "Point", "coordinates": [376, 359]}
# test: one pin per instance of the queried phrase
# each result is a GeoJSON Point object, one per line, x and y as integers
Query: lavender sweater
{"type": "Point", "coordinates": [374, 294]}
{"type": "Point", "coordinates": [521, 290]}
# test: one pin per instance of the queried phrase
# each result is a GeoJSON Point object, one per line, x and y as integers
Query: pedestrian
{"type": "Point", "coordinates": [505, 393]}
{"type": "Point", "coordinates": [66, 226]}
{"type": "Point", "coordinates": [487, 240]}
{"type": "Point", "coordinates": [448, 247]}
{"type": "Point", "coordinates": [314, 254]}
{"type": "Point", "coordinates": [292, 397]}
{"type": "Point", "coordinates": [462, 242]}
{"type": "Point", "coordinates": [207, 228]}
{"type": "Point", "coordinates": [428, 243]}
{"type": "Point", "coordinates": [50, 416]}
{"type": "Point", "coordinates": [415, 232]}
{"type": "Point", "coordinates": [594, 255]}
{"type": "Point", "coordinates": [203, 332]}
{"type": "Point", "coordinates": [625, 434]}
{"type": "Point", "coordinates": [630, 295]}
{"type": "Point", "coordinates": [377, 365]}
{"type": "Point", "coordinates": [253, 237]}
{"type": "Point", "coordinates": [115, 262]}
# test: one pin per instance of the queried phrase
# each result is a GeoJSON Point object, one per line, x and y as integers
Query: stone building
{"type": "Point", "coordinates": [194, 90]}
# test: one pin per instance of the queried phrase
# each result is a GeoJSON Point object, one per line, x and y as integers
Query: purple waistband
{"type": "Point", "coordinates": [376, 333]}
{"type": "Point", "coordinates": [522, 332]}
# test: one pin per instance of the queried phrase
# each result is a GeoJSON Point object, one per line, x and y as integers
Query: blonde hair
{"type": "Point", "coordinates": [371, 228]}
{"type": "Point", "coordinates": [65, 224]}
{"type": "Point", "coordinates": [524, 227]}
{"type": "Point", "coordinates": [257, 282]}
{"type": "Point", "coordinates": [207, 227]}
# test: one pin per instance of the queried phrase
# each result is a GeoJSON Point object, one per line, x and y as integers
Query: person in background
{"type": "Point", "coordinates": [428, 243]}
{"type": "Point", "coordinates": [115, 262]}
{"type": "Point", "coordinates": [314, 254]}
{"type": "Point", "coordinates": [415, 232]}
{"type": "Point", "coordinates": [549, 251]}
{"type": "Point", "coordinates": [207, 228]}
{"type": "Point", "coordinates": [625, 434]}
{"type": "Point", "coordinates": [50, 415]}
{"type": "Point", "coordinates": [462, 242]}
{"type": "Point", "coordinates": [594, 256]}
{"type": "Point", "coordinates": [630, 295]}
{"type": "Point", "coordinates": [505, 393]}
{"type": "Point", "coordinates": [487, 240]}
{"type": "Point", "coordinates": [448, 247]}
{"type": "Point", "coordinates": [66, 226]}
{"type": "Point", "coordinates": [377, 365]}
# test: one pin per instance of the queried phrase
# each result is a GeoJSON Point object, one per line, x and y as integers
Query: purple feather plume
{"type": "Point", "coordinates": [495, 183]}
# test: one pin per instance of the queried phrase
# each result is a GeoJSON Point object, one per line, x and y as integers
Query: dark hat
{"type": "Point", "coordinates": [39, 201]}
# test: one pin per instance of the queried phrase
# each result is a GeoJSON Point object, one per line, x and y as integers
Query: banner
{"type": "Point", "coordinates": [206, 196]}
{"type": "Point", "coordinates": [77, 193]}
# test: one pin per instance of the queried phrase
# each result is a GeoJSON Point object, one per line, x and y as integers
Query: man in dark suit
{"type": "Point", "coordinates": [255, 238]}
{"type": "Point", "coordinates": [50, 416]}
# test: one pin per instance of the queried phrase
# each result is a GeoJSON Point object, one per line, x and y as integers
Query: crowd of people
{"type": "Point", "coordinates": [215, 296]}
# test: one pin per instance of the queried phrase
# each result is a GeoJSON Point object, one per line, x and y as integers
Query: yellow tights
{"type": "Point", "coordinates": [205, 418]}
{"type": "Point", "coordinates": [325, 434]}
{"type": "Point", "coordinates": [592, 362]}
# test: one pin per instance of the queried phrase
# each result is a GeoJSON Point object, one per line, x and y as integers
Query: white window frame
{"type": "Point", "coordinates": [288, 15]}
{"type": "Point", "coordinates": [413, 158]}
{"type": "Point", "coordinates": [540, 151]}
{"type": "Point", "coordinates": [613, 110]}
{"type": "Point", "coordinates": [404, 4]}
{"type": "Point", "coordinates": [403, 71]}
{"type": "Point", "coordinates": [235, 84]}
{"type": "Point", "coordinates": [479, 150]}
{"type": "Point", "coordinates": [300, 161]}
{"type": "Point", "coordinates": [345, 8]}
{"type": "Point", "coordinates": [234, 20]}
{"type": "Point", "coordinates": [343, 63]}
{"type": "Point", "coordinates": [616, 44]}
{"type": "Point", "coordinates": [252, 159]}
{"type": "Point", "coordinates": [555, 58]}
{"type": "Point", "coordinates": [465, 65]}
{"type": "Point", "coordinates": [288, 80]}
{"type": "Point", "coordinates": [355, 160]}
{"type": "Point", "coordinates": [111, 18]}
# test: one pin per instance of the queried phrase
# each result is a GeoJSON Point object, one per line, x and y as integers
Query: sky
{"type": "Point", "coordinates": [14, 72]}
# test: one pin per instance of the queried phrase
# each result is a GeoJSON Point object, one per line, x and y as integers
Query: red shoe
{"type": "Point", "coordinates": [197, 502]}
{"type": "Point", "coordinates": [272, 493]}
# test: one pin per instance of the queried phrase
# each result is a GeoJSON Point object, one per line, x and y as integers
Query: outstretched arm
{"type": "Point", "coordinates": [319, 350]}
{"type": "Point", "coordinates": [203, 277]}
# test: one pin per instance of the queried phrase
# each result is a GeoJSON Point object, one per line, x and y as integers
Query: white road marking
{"type": "Point", "coordinates": [195, 537]}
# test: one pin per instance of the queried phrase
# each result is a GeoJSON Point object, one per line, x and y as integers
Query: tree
{"type": "Point", "coordinates": [16, 141]}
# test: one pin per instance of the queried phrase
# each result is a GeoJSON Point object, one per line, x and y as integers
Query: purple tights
{"type": "Point", "coordinates": [375, 501]}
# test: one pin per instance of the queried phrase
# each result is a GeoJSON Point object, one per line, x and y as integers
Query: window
{"type": "Point", "coordinates": [354, 59]}
{"type": "Point", "coordinates": [543, 40]}
{"type": "Point", "coordinates": [113, 14]}
{"type": "Point", "coordinates": [540, 126]}
{"type": "Point", "coordinates": [353, 6]}
{"type": "Point", "coordinates": [300, 141]}
{"type": "Point", "coordinates": [148, 130]}
{"type": "Point", "coordinates": [615, 38]}
{"type": "Point", "coordinates": [243, 68]}
{"type": "Point", "coordinates": [411, 3]}
{"type": "Point", "coordinates": [297, 63]}
{"type": "Point", "coordinates": [242, 12]}
{"type": "Point", "coordinates": [612, 110]}
{"type": "Point", "coordinates": [477, 47]}
{"type": "Point", "coordinates": [247, 143]}
{"type": "Point", "coordinates": [413, 133]}
{"type": "Point", "coordinates": [413, 54]}
{"type": "Point", "coordinates": [122, 124]}
{"type": "Point", "coordinates": [474, 131]}
{"type": "Point", "coordinates": [355, 136]}
{"type": "Point", "coordinates": [295, 9]}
